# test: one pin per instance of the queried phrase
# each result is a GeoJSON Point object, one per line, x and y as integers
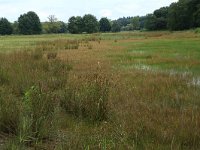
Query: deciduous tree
{"type": "Point", "coordinates": [105, 25]}
{"type": "Point", "coordinates": [115, 26]}
{"type": "Point", "coordinates": [90, 24]}
{"type": "Point", "coordinates": [75, 25]}
{"type": "Point", "coordinates": [5, 27]}
{"type": "Point", "coordinates": [29, 23]}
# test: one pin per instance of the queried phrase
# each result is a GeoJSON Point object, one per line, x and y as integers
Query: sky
{"type": "Point", "coordinates": [64, 9]}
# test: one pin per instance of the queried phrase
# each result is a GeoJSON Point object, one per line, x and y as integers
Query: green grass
{"type": "Point", "coordinates": [166, 54]}
{"type": "Point", "coordinates": [14, 43]}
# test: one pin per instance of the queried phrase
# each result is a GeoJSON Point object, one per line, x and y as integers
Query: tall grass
{"type": "Point", "coordinates": [34, 90]}
{"type": "Point", "coordinates": [45, 104]}
{"type": "Point", "coordinates": [60, 44]}
{"type": "Point", "coordinates": [87, 97]}
{"type": "Point", "coordinates": [28, 97]}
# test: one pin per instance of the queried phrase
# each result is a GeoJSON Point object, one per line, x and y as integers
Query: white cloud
{"type": "Point", "coordinates": [127, 9]}
{"type": "Point", "coordinates": [106, 13]}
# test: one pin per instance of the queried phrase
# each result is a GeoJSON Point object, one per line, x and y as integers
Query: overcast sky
{"type": "Point", "coordinates": [63, 9]}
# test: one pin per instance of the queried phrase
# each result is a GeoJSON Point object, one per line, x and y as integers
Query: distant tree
{"type": "Point", "coordinates": [128, 27]}
{"type": "Point", "coordinates": [72, 26]}
{"type": "Point", "coordinates": [5, 27]}
{"type": "Point", "coordinates": [105, 25]}
{"type": "Point", "coordinates": [162, 12]}
{"type": "Point", "coordinates": [142, 22]}
{"type": "Point", "coordinates": [90, 23]}
{"type": "Point", "coordinates": [75, 25]}
{"type": "Point", "coordinates": [161, 23]}
{"type": "Point", "coordinates": [115, 27]}
{"type": "Point", "coordinates": [196, 17]}
{"type": "Point", "coordinates": [136, 23]}
{"type": "Point", "coordinates": [29, 23]}
{"type": "Point", "coordinates": [122, 22]}
{"type": "Point", "coordinates": [54, 26]}
{"type": "Point", "coordinates": [15, 27]}
{"type": "Point", "coordinates": [194, 12]}
{"type": "Point", "coordinates": [63, 27]}
{"type": "Point", "coordinates": [179, 17]}
{"type": "Point", "coordinates": [161, 18]}
{"type": "Point", "coordinates": [52, 18]}
{"type": "Point", "coordinates": [150, 22]}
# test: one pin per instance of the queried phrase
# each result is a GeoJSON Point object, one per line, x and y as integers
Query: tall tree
{"type": "Point", "coordinates": [136, 23]}
{"type": "Point", "coordinates": [5, 27]}
{"type": "Point", "coordinates": [179, 17]}
{"type": "Point", "coordinates": [105, 25]}
{"type": "Point", "coordinates": [90, 23]}
{"type": "Point", "coordinates": [29, 23]}
{"type": "Point", "coordinates": [194, 12]}
{"type": "Point", "coordinates": [162, 12]}
{"type": "Point", "coordinates": [150, 22]}
{"type": "Point", "coordinates": [161, 23]}
{"type": "Point", "coordinates": [52, 18]}
{"type": "Point", "coordinates": [15, 27]}
{"type": "Point", "coordinates": [124, 21]}
{"type": "Point", "coordinates": [142, 22]}
{"type": "Point", "coordinates": [161, 18]}
{"type": "Point", "coordinates": [115, 26]}
{"type": "Point", "coordinates": [54, 26]}
{"type": "Point", "coordinates": [75, 25]}
{"type": "Point", "coordinates": [63, 27]}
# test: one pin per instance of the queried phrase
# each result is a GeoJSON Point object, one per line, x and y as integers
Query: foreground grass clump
{"type": "Point", "coordinates": [37, 120]}
{"type": "Point", "coordinates": [87, 97]}
{"type": "Point", "coordinates": [9, 112]}
{"type": "Point", "coordinates": [29, 98]}
{"type": "Point", "coordinates": [32, 100]}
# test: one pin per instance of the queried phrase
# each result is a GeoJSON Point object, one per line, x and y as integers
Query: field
{"type": "Point", "coordinates": [128, 90]}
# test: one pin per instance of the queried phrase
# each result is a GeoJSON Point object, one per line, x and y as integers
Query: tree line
{"type": "Point", "coordinates": [181, 15]}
